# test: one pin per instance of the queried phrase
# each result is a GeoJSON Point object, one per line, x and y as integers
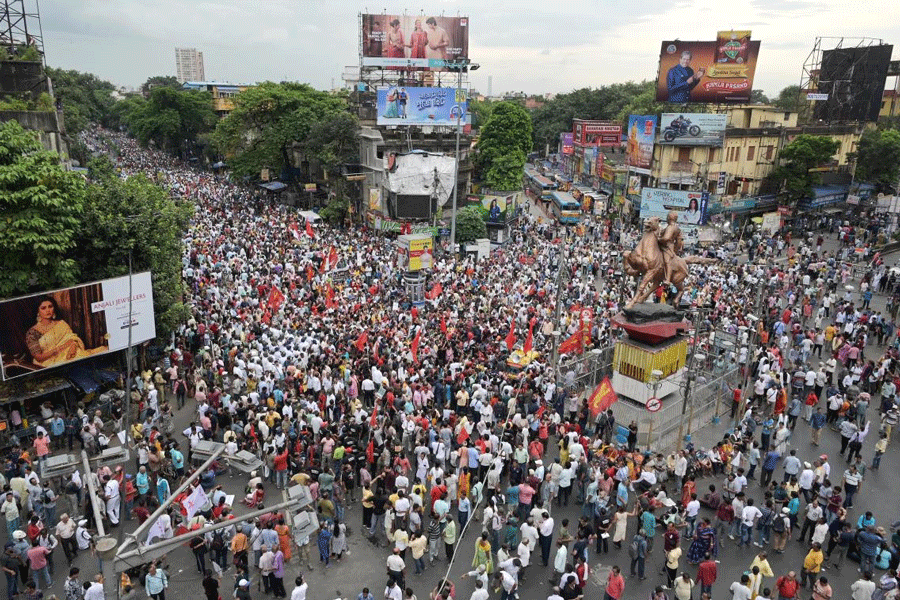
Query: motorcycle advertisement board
{"type": "Point", "coordinates": [712, 72]}
{"type": "Point", "coordinates": [692, 129]}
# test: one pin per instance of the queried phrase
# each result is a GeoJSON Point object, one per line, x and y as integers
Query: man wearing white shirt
{"type": "Point", "coordinates": [545, 531]}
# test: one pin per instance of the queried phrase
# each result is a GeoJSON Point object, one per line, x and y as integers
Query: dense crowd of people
{"type": "Point", "coordinates": [304, 349]}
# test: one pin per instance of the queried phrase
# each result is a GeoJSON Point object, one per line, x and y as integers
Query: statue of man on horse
{"type": "Point", "coordinates": [657, 259]}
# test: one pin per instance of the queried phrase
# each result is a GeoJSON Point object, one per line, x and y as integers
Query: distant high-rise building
{"type": "Point", "coordinates": [189, 64]}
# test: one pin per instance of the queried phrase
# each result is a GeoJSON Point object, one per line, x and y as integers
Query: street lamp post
{"type": "Point", "coordinates": [459, 67]}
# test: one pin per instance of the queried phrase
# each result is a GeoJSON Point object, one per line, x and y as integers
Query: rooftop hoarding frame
{"type": "Point", "coordinates": [714, 72]}
{"type": "Point", "coordinates": [415, 42]}
{"type": "Point", "coordinates": [51, 329]}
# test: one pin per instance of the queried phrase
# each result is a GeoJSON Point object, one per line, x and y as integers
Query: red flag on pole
{"type": "Point", "coordinates": [528, 341]}
{"type": "Point", "coordinates": [511, 336]}
{"type": "Point", "coordinates": [434, 292]}
{"type": "Point", "coordinates": [443, 325]}
{"type": "Point", "coordinates": [310, 272]}
{"type": "Point", "coordinates": [362, 340]}
{"type": "Point", "coordinates": [295, 231]}
{"type": "Point", "coordinates": [329, 297]}
{"type": "Point", "coordinates": [332, 258]}
{"type": "Point", "coordinates": [415, 346]}
{"type": "Point", "coordinates": [602, 397]}
{"type": "Point", "coordinates": [309, 229]}
{"type": "Point", "coordinates": [573, 344]}
{"type": "Point", "coordinates": [374, 417]}
{"type": "Point", "coordinates": [370, 452]}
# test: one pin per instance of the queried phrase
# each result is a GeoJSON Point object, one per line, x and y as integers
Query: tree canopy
{"type": "Point", "coordinates": [469, 225]}
{"type": "Point", "coordinates": [160, 81]}
{"type": "Point", "coordinates": [85, 98]}
{"type": "Point", "coordinates": [797, 159]}
{"type": "Point", "coordinates": [170, 117]}
{"type": "Point", "coordinates": [788, 99]}
{"type": "Point", "coordinates": [878, 159]}
{"type": "Point", "coordinates": [503, 146]}
{"type": "Point", "coordinates": [268, 119]}
{"type": "Point", "coordinates": [41, 206]}
{"type": "Point", "coordinates": [134, 214]}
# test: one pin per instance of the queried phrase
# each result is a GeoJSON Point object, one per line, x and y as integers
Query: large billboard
{"type": "Point", "coordinates": [690, 207]}
{"type": "Point", "coordinates": [641, 134]}
{"type": "Point", "coordinates": [692, 129]}
{"type": "Point", "coordinates": [55, 328]}
{"type": "Point", "coordinates": [565, 143]}
{"type": "Point", "coordinates": [596, 133]}
{"type": "Point", "coordinates": [851, 83]}
{"type": "Point", "coordinates": [398, 105]}
{"type": "Point", "coordinates": [413, 42]}
{"type": "Point", "coordinates": [708, 72]}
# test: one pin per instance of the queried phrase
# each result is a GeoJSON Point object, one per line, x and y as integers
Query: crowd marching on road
{"type": "Point", "coordinates": [408, 428]}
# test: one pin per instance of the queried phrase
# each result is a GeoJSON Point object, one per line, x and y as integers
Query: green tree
{"type": "Point", "coordinates": [469, 225]}
{"type": "Point", "coordinates": [481, 112]}
{"type": "Point", "coordinates": [503, 146]}
{"type": "Point", "coordinates": [85, 98]}
{"type": "Point", "coordinates": [794, 175]}
{"type": "Point", "coordinates": [334, 140]}
{"type": "Point", "coordinates": [160, 81]}
{"type": "Point", "coordinates": [268, 120]}
{"type": "Point", "coordinates": [758, 97]}
{"type": "Point", "coordinates": [170, 118]}
{"type": "Point", "coordinates": [789, 99]}
{"type": "Point", "coordinates": [40, 210]}
{"type": "Point", "coordinates": [136, 216]}
{"type": "Point", "coordinates": [878, 159]}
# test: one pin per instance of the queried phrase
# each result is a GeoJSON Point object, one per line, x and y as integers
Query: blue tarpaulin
{"type": "Point", "coordinates": [89, 379]}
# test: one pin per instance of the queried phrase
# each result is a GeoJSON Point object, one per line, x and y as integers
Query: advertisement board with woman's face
{"type": "Point", "coordinates": [51, 329]}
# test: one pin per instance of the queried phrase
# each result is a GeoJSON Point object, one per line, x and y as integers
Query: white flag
{"type": "Point", "coordinates": [157, 530]}
{"type": "Point", "coordinates": [195, 501]}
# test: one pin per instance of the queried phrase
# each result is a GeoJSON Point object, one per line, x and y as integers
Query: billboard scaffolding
{"type": "Point", "coordinates": [844, 82]}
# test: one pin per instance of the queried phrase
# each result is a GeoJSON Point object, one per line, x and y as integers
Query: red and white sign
{"type": "Point", "coordinates": [654, 404]}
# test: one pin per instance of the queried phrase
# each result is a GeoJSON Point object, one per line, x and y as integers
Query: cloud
{"type": "Point", "coordinates": [528, 45]}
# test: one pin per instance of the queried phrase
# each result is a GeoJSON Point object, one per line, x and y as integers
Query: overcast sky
{"type": "Point", "coordinates": [535, 46]}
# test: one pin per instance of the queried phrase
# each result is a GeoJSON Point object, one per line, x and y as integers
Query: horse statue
{"type": "Point", "coordinates": [649, 264]}
{"type": "Point", "coordinates": [646, 261]}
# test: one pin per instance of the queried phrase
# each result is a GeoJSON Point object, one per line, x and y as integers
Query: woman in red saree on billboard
{"type": "Point", "coordinates": [51, 341]}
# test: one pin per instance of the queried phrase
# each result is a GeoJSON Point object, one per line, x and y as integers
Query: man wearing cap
{"type": "Point", "coordinates": [243, 590]}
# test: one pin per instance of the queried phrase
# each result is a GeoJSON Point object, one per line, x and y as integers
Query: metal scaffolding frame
{"type": "Point", "coordinates": [20, 23]}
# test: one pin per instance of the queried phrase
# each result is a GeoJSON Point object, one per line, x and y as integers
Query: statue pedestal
{"type": "Point", "coordinates": [655, 343]}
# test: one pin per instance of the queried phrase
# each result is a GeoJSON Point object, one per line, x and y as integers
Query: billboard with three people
{"type": "Point", "coordinates": [708, 72]}
{"type": "Point", "coordinates": [55, 328]}
{"type": "Point", "coordinates": [414, 42]}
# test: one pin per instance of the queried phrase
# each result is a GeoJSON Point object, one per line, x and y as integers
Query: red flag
{"type": "Point", "coordinates": [540, 411]}
{"type": "Point", "coordinates": [309, 229]}
{"type": "Point", "coordinates": [332, 258]}
{"type": "Point", "coordinates": [266, 318]}
{"type": "Point", "coordinates": [276, 298]}
{"type": "Point", "coordinates": [372, 420]}
{"type": "Point", "coordinates": [415, 346]}
{"type": "Point", "coordinates": [362, 340]}
{"type": "Point", "coordinates": [295, 231]}
{"type": "Point", "coordinates": [443, 325]}
{"type": "Point", "coordinates": [370, 452]}
{"type": "Point", "coordinates": [310, 272]}
{"type": "Point", "coordinates": [602, 397]}
{"type": "Point", "coordinates": [434, 292]}
{"type": "Point", "coordinates": [329, 297]}
{"type": "Point", "coordinates": [573, 344]}
{"type": "Point", "coordinates": [528, 341]}
{"type": "Point", "coordinates": [511, 336]}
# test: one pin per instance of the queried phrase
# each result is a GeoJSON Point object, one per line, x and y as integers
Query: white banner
{"type": "Point", "coordinates": [157, 530]}
{"type": "Point", "coordinates": [195, 501]}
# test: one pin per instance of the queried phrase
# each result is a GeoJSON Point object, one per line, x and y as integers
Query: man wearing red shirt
{"type": "Point", "coordinates": [615, 585]}
{"type": "Point", "coordinates": [787, 586]}
{"type": "Point", "coordinates": [706, 574]}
